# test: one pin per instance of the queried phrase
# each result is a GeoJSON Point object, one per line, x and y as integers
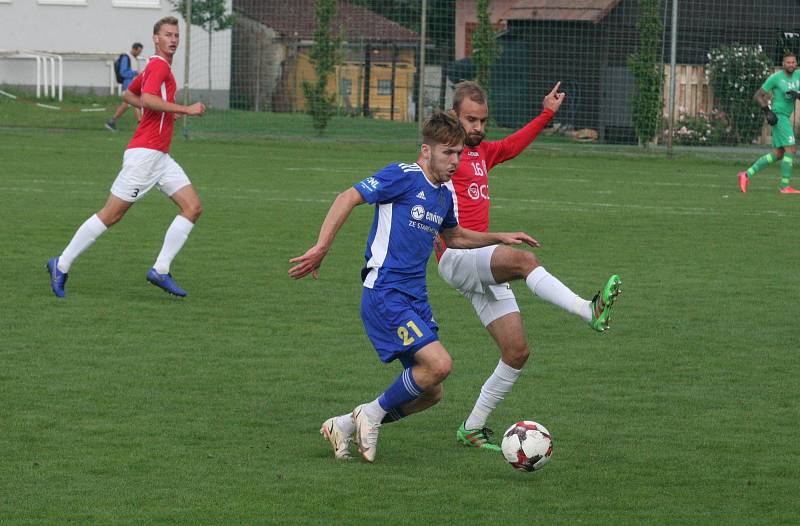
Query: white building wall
{"type": "Point", "coordinates": [83, 27]}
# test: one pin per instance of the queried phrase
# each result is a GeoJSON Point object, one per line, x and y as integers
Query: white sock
{"type": "Point", "coordinates": [493, 391]}
{"type": "Point", "coordinates": [345, 423]}
{"type": "Point", "coordinates": [177, 234]}
{"type": "Point", "coordinates": [374, 411]}
{"type": "Point", "coordinates": [550, 289]}
{"type": "Point", "coordinates": [84, 237]}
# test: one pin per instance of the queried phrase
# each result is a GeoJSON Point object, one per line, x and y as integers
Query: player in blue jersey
{"type": "Point", "coordinates": [411, 208]}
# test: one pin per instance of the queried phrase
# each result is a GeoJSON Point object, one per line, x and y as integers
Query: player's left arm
{"type": "Point", "coordinates": [338, 213]}
{"type": "Point", "coordinates": [516, 143]}
{"type": "Point", "coordinates": [458, 237]}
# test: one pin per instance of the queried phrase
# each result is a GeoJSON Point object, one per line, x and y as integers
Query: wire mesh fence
{"type": "Point", "coordinates": [609, 55]}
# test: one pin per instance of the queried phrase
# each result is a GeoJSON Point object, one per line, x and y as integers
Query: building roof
{"type": "Point", "coordinates": [297, 19]}
{"type": "Point", "coordinates": [561, 10]}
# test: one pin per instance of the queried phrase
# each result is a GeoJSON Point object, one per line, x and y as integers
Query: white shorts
{"type": "Point", "coordinates": [470, 271]}
{"type": "Point", "coordinates": [142, 169]}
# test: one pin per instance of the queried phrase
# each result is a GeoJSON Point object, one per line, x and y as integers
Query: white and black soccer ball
{"type": "Point", "coordinates": [527, 446]}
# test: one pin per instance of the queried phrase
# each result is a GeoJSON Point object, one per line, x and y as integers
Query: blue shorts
{"type": "Point", "coordinates": [398, 325]}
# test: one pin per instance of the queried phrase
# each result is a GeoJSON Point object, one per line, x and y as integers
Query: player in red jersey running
{"type": "Point", "coordinates": [146, 164]}
{"type": "Point", "coordinates": [483, 275]}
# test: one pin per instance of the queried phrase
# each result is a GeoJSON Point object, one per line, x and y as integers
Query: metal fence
{"type": "Point", "coordinates": [399, 59]}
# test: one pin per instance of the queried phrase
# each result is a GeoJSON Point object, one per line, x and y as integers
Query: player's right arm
{"type": "Point", "coordinates": [338, 213]}
{"type": "Point", "coordinates": [762, 99]}
{"type": "Point", "coordinates": [133, 95]}
{"type": "Point", "coordinates": [151, 93]}
{"type": "Point", "coordinates": [156, 103]}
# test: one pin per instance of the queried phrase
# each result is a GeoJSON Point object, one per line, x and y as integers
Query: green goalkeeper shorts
{"type": "Point", "coordinates": [782, 133]}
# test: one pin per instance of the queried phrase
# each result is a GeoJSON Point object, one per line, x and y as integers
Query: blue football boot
{"type": "Point", "coordinates": [165, 281]}
{"type": "Point", "coordinates": [58, 279]}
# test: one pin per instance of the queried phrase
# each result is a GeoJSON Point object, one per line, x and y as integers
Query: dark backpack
{"type": "Point", "coordinates": [118, 68]}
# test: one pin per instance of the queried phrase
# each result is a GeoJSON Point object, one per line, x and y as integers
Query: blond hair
{"type": "Point", "coordinates": [166, 21]}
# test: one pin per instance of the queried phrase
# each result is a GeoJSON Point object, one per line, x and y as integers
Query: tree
{"type": "Point", "coordinates": [484, 46]}
{"type": "Point", "coordinates": [646, 69]}
{"type": "Point", "coordinates": [211, 15]}
{"type": "Point", "coordinates": [325, 54]}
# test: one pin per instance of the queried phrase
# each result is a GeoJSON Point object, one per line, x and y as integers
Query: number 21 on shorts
{"type": "Point", "coordinates": [404, 334]}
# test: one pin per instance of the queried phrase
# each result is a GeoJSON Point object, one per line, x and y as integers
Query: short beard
{"type": "Point", "coordinates": [473, 141]}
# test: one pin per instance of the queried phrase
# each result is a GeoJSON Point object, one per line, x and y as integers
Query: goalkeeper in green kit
{"type": "Point", "coordinates": [785, 89]}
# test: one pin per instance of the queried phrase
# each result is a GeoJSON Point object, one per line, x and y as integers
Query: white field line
{"type": "Point", "coordinates": [561, 206]}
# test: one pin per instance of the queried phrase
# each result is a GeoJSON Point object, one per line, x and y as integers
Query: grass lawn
{"type": "Point", "coordinates": [122, 405]}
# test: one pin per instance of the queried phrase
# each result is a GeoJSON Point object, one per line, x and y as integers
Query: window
{"type": "Point", "coordinates": [63, 2]}
{"type": "Point", "coordinates": [347, 87]}
{"type": "Point", "coordinates": [384, 87]}
{"type": "Point", "coordinates": [145, 4]}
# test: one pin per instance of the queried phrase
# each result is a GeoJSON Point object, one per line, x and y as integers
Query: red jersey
{"type": "Point", "coordinates": [155, 129]}
{"type": "Point", "coordinates": [470, 183]}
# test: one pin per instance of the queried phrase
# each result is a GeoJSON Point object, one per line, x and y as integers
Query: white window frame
{"type": "Point", "coordinates": [79, 3]}
{"type": "Point", "coordinates": [5, 1]}
{"type": "Point", "coordinates": [386, 90]}
{"type": "Point", "coordinates": [137, 4]}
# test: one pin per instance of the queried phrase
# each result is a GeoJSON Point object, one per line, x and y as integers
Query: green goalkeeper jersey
{"type": "Point", "coordinates": [778, 84]}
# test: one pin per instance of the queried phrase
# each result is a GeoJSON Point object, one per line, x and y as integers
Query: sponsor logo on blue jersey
{"type": "Point", "coordinates": [370, 184]}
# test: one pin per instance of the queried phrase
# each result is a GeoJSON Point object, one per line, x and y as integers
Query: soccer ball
{"type": "Point", "coordinates": [527, 446]}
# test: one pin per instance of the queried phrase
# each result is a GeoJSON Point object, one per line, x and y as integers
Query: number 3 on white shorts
{"type": "Point", "coordinates": [403, 334]}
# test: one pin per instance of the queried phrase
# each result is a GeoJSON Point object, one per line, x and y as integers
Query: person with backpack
{"type": "Point", "coordinates": [126, 67]}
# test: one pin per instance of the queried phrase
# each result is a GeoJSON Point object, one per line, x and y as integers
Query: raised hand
{"type": "Point", "coordinates": [553, 100]}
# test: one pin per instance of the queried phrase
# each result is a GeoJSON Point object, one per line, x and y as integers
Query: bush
{"type": "Point", "coordinates": [647, 70]}
{"type": "Point", "coordinates": [736, 71]}
{"type": "Point", "coordinates": [703, 129]}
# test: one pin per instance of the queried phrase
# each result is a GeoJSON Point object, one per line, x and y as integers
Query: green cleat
{"type": "Point", "coordinates": [602, 303]}
{"type": "Point", "coordinates": [480, 438]}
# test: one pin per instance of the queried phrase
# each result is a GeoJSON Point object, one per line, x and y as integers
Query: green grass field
{"type": "Point", "coordinates": [122, 405]}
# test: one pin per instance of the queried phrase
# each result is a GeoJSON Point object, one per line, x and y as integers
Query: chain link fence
{"type": "Point", "coordinates": [617, 60]}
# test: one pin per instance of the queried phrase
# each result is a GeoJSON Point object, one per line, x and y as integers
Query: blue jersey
{"type": "Point", "coordinates": [410, 211]}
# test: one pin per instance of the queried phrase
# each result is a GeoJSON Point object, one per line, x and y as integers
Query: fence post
{"type": "Point", "coordinates": [421, 96]}
{"type": "Point", "coordinates": [672, 59]}
{"type": "Point", "coordinates": [187, 52]}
